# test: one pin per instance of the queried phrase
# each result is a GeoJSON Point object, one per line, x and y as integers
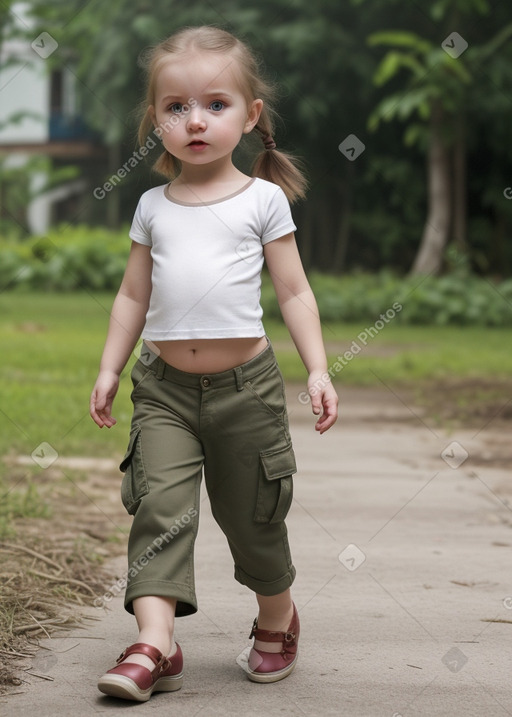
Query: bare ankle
{"type": "Point", "coordinates": [162, 640]}
{"type": "Point", "coordinates": [275, 621]}
{"type": "Point", "coordinates": [275, 612]}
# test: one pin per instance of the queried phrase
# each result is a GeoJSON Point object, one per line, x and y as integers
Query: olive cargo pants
{"type": "Point", "coordinates": [233, 424]}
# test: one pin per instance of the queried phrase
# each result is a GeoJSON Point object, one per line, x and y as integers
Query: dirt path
{"type": "Point", "coordinates": [401, 536]}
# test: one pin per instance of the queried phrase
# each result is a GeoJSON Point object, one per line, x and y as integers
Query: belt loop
{"type": "Point", "coordinates": [160, 368]}
{"type": "Point", "coordinates": [239, 378]}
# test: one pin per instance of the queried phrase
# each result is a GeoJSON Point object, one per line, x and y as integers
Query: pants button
{"type": "Point", "coordinates": [205, 382]}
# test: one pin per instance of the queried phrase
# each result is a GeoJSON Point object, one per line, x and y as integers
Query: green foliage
{"type": "Point", "coordinates": [401, 39]}
{"type": "Point", "coordinates": [451, 300]}
{"type": "Point", "coordinates": [392, 62]}
{"type": "Point", "coordinates": [433, 77]}
{"type": "Point", "coordinates": [67, 258]}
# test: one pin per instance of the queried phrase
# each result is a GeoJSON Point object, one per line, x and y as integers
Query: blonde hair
{"type": "Point", "coordinates": [273, 165]}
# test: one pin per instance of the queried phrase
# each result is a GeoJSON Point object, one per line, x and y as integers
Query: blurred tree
{"type": "Point", "coordinates": [6, 19]}
{"type": "Point", "coordinates": [438, 93]}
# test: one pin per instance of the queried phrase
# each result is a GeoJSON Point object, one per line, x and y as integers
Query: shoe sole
{"type": "Point", "coordinates": [126, 689]}
{"type": "Point", "coordinates": [265, 677]}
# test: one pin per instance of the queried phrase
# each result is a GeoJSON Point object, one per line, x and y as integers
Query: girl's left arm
{"type": "Point", "coordinates": [300, 313]}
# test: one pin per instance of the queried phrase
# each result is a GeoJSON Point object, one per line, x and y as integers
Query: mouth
{"type": "Point", "coordinates": [197, 143]}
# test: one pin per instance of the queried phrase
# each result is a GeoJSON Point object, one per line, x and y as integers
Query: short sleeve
{"type": "Point", "coordinates": [139, 231]}
{"type": "Point", "coordinates": [279, 220]}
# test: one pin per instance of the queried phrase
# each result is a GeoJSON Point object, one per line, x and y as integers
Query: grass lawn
{"type": "Point", "coordinates": [51, 346]}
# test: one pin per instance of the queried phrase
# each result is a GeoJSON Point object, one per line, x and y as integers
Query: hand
{"type": "Point", "coordinates": [323, 396]}
{"type": "Point", "coordinates": [102, 398]}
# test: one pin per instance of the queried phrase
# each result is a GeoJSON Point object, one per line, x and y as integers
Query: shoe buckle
{"type": "Point", "coordinates": [165, 664]}
{"type": "Point", "coordinates": [121, 656]}
{"type": "Point", "coordinates": [289, 636]}
{"type": "Point", "coordinates": [254, 627]}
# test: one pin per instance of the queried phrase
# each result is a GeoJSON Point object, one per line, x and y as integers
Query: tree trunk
{"type": "Point", "coordinates": [114, 198]}
{"type": "Point", "coordinates": [429, 258]}
{"type": "Point", "coordinates": [324, 232]}
{"type": "Point", "coordinates": [460, 187]}
{"type": "Point", "coordinates": [343, 235]}
{"type": "Point", "coordinates": [499, 263]}
{"type": "Point", "coordinates": [306, 222]}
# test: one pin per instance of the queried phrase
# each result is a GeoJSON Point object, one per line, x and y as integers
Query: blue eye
{"type": "Point", "coordinates": [176, 107]}
{"type": "Point", "coordinates": [217, 105]}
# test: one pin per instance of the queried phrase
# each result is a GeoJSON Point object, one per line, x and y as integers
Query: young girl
{"type": "Point", "coordinates": [207, 389]}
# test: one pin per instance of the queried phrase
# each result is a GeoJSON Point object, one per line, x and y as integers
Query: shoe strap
{"type": "Point", "coordinates": [142, 648]}
{"type": "Point", "coordinates": [287, 638]}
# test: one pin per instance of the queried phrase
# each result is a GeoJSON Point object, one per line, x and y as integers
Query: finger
{"type": "Point", "coordinates": [316, 404]}
{"type": "Point", "coordinates": [328, 418]}
{"type": "Point", "coordinates": [101, 414]}
{"type": "Point", "coordinates": [106, 416]}
{"type": "Point", "coordinates": [97, 418]}
{"type": "Point", "coordinates": [327, 403]}
{"type": "Point", "coordinates": [108, 410]}
{"type": "Point", "coordinates": [105, 421]}
{"type": "Point", "coordinates": [323, 426]}
{"type": "Point", "coordinates": [94, 412]}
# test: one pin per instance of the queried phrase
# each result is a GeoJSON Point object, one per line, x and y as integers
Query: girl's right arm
{"type": "Point", "coordinates": [126, 323]}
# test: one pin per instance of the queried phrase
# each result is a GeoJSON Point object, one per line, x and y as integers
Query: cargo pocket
{"type": "Point", "coordinates": [134, 485]}
{"type": "Point", "coordinates": [275, 487]}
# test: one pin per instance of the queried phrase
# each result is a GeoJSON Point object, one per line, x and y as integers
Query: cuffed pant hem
{"type": "Point", "coordinates": [261, 587]}
{"type": "Point", "coordinates": [186, 601]}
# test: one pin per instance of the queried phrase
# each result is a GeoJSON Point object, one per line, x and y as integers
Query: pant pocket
{"type": "Point", "coordinates": [134, 485]}
{"type": "Point", "coordinates": [139, 373]}
{"type": "Point", "coordinates": [275, 487]}
{"type": "Point", "coordinates": [268, 389]}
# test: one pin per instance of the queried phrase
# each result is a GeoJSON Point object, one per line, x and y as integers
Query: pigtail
{"type": "Point", "coordinates": [145, 127]}
{"type": "Point", "coordinates": [166, 164]}
{"type": "Point", "coordinates": [276, 166]}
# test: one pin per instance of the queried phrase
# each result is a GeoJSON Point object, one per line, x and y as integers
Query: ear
{"type": "Point", "coordinates": [253, 115]}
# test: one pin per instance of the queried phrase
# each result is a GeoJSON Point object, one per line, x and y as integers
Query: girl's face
{"type": "Point", "coordinates": [200, 112]}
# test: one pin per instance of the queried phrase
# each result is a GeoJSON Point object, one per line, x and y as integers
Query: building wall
{"type": "Point", "coordinates": [24, 85]}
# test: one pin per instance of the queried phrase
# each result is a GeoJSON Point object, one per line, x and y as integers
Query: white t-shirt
{"type": "Point", "coordinates": [207, 260]}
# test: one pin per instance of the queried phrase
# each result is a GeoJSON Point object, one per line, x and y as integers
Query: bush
{"type": "Point", "coordinates": [446, 300]}
{"type": "Point", "coordinates": [66, 259]}
{"type": "Point", "coordinates": [95, 258]}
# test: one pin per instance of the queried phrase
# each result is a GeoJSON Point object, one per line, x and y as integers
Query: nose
{"type": "Point", "coordinates": [196, 120]}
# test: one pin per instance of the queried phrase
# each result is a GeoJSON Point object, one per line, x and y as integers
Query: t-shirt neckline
{"type": "Point", "coordinates": [207, 204]}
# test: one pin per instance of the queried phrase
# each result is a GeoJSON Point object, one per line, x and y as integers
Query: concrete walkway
{"type": "Point", "coordinates": [403, 577]}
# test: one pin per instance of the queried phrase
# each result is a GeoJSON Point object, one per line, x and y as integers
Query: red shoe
{"type": "Point", "coordinates": [135, 682]}
{"type": "Point", "coordinates": [274, 666]}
